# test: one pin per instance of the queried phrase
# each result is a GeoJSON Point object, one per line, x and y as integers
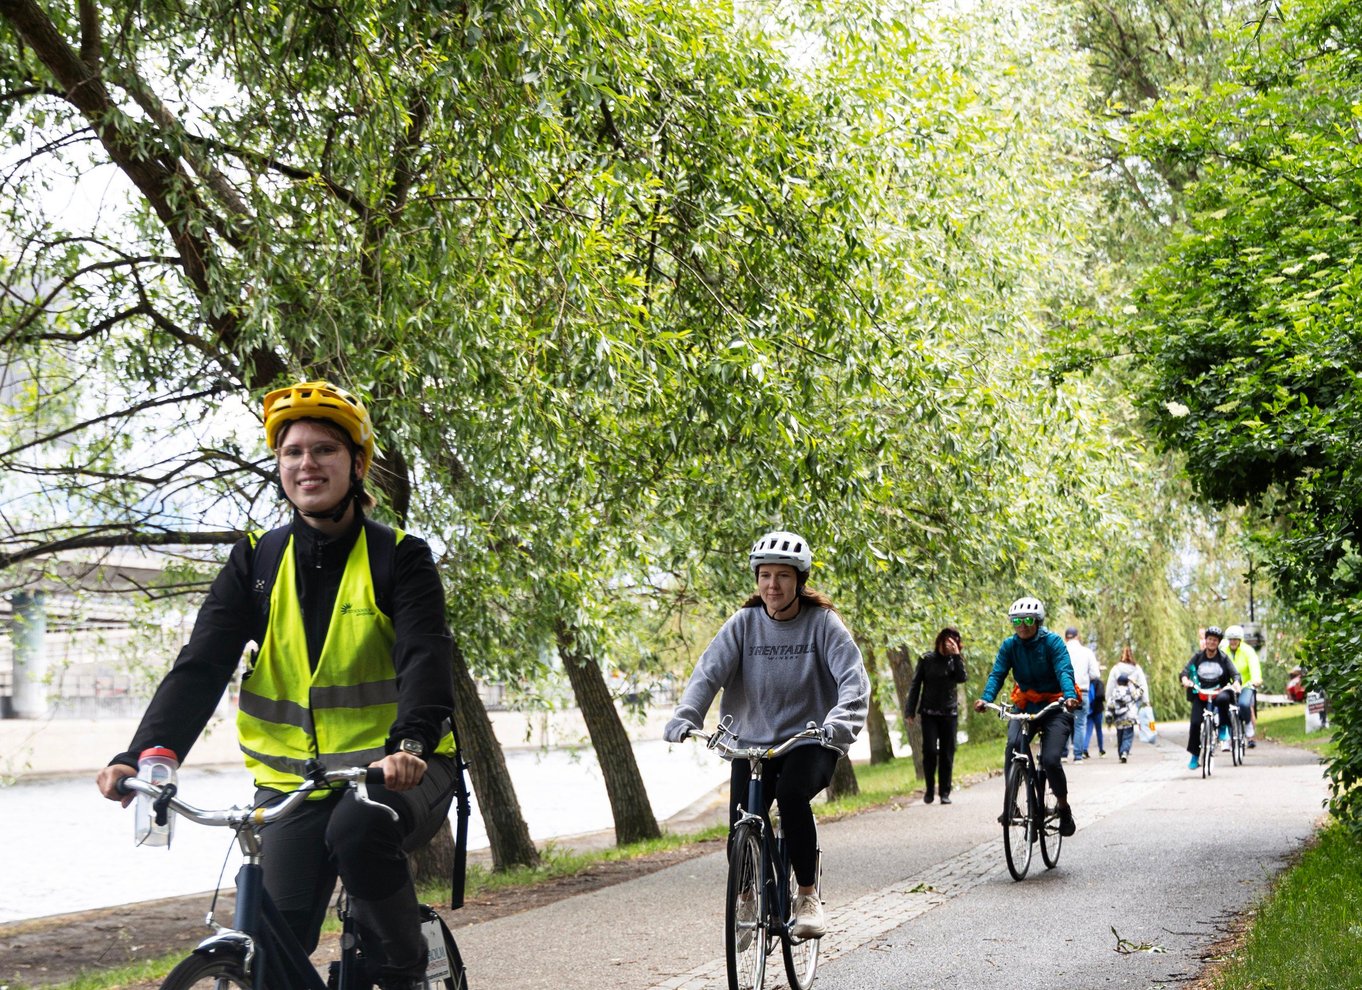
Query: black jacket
{"type": "Point", "coordinates": [934, 680]}
{"type": "Point", "coordinates": [422, 652]}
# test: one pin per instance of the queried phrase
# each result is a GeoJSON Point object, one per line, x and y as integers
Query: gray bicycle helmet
{"type": "Point", "coordinates": [1213, 631]}
{"type": "Point", "coordinates": [781, 547]}
{"type": "Point", "coordinates": [1027, 606]}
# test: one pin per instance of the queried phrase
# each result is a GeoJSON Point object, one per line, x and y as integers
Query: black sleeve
{"type": "Point", "coordinates": [915, 690]}
{"type": "Point", "coordinates": [423, 653]}
{"type": "Point", "coordinates": [957, 669]}
{"type": "Point", "coordinates": [190, 692]}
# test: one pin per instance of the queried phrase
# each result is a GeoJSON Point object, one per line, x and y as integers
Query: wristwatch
{"type": "Point", "coordinates": [413, 746]}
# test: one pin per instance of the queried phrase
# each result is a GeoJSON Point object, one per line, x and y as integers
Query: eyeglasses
{"type": "Point", "coordinates": [322, 453]}
{"type": "Point", "coordinates": [1023, 620]}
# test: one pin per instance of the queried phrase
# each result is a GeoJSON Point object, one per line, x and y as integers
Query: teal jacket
{"type": "Point", "coordinates": [1039, 664]}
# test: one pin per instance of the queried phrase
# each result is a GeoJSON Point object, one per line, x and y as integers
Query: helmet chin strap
{"type": "Point", "coordinates": [334, 515]}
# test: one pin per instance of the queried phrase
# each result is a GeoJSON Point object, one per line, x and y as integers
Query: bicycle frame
{"type": "Point", "coordinates": [271, 953]}
{"type": "Point", "coordinates": [1038, 824]}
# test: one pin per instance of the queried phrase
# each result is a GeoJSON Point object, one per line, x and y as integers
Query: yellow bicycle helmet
{"type": "Point", "coordinates": [319, 400]}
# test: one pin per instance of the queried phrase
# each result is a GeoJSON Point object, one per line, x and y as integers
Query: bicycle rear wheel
{"type": "Point", "coordinates": [220, 970]}
{"type": "Point", "coordinates": [801, 954]}
{"type": "Point", "coordinates": [1208, 741]}
{"type": "Point", "coordinates": [1016, 819]}
{"type": "Point", "coordinates": [445, 969]}
{"type": "Point", "coordinates": [1050, 838]}
{"type": "Point", "coordinates": [745, 912]}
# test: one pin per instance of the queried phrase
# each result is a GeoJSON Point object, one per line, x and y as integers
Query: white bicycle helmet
{"type": "Point", "coordinates": [1234, 632]}
{"type": "Point", "coordinates": [781, 547]}
{"type": "Point", "coordinates": [1027, 606]}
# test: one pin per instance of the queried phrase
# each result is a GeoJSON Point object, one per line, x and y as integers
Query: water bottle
{"type": "Point", "coordinates": [156, 765]}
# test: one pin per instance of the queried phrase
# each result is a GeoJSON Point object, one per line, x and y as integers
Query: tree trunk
{"type": "Point", "coordinates": [876, 726]}
{"type": "Point", "coordinates": [844, 781]}
{"type": "Point", "coordinates": [901, 665]}
{"type": "Point", "coordinates": [433, 863]}
{"type": "Point", "coordinates": [634, 819]}
{"type": "Point", "coordinates": [507, 833]}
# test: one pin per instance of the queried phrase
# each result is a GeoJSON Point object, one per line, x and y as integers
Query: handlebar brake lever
{"type": "Point", "coordinates": [362, 796]}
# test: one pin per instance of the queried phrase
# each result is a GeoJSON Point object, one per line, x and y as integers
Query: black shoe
{"type": "Point", "coordinates": [1252, 744]}
{"type": "Point", "coordinates": [1066, 822]}
{"type": "Point", "coordinates": [1123, 757]}
{"type": "Point", "coordinates": [928, 797]}
{"type": "Point", "coordinates": [945, 798]}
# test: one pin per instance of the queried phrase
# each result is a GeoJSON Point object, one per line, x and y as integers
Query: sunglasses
{"type": "Point", "coordinates": [1024, 620]}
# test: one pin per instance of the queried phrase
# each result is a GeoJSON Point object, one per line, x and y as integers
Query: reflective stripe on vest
{"type": "Point", "coordinates": [341, 712]}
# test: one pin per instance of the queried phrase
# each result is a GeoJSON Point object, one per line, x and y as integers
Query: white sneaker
{"type": "Point", "coordinates": [809, 921]}
{"type": "Point", "coordinates": [1225, 747]}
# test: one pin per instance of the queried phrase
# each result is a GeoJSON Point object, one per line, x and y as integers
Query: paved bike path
{"type": "Point", "coordinates": [919, 895]}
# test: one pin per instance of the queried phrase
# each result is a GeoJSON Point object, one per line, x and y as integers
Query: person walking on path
{"type": "Point", "coordinates": [1123, 706]}
{"type": "Point", "coordinates": [1246, 660]}
{"type": "Point", "coordinates": [1129, 666]}
{"type": "Point", "coordinates": [1097, 703]}
{"type": "Point", "coordinates": [784, 659]}
{"type": "Point", "coordinates": [1084, 663]}
{"type": "Point", "coordinates": [1041, 673]}
{"type": "Point", "coordinates": [354, 667]}
{"type": "Point", "coordinates": [932, 696]}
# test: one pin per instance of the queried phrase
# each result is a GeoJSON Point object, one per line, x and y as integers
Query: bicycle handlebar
{"type": "Point", "coordinates": [1008, 712]}
{"type": "Point", "coordinates": [239, 818]}
{"type": "Point", "coordinates": [1208, 694]}
{"type": "Point", "coordinates": [718, 742]}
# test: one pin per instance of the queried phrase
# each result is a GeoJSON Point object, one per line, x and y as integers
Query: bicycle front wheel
{"type": "Point", "coordinates": [1050, 838]}
{"type": "Point", "coordinates": [1208, 741]}
{"type": "Point", "coordinates": [1238, 739]}
{"type": "Point", "coordinates": [220, 970]}
{"type": "Point", "coordinates": [801, 954]}
{"type": "Point", "coordinates": [1016, 819]}
{"type": "Point", "coordinates": [745, 914]}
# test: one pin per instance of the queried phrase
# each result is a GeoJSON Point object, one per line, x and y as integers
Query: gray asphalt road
{"type": "Point", "coordinates": [919, 896]}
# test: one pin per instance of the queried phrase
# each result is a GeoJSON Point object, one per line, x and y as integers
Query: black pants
{"type": "Point", "coordinates": [1055, 729]}
{"type": "Point", "coordinates": [339, 836]}
{"type": "Point", "coordinates": [938, 750]}
{"type": "Point", "coordinates": [793, 780]}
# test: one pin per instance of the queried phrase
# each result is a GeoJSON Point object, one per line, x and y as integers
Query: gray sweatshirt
{"type": "Point", "coordinates": [779, 676]}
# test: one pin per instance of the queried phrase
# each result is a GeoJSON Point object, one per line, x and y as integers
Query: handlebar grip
{"type": "Point", "coordinates": [373, 775]}
{"type": "Point", "coordinates": [121, 785]}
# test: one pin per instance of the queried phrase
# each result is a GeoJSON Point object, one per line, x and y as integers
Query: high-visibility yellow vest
{"type": "Point", "coordinates": [341, 712]}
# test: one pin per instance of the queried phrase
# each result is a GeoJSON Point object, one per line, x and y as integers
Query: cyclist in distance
{"type": "Point", "coordinates": [1245, 660]}
{"type": "Point", "coordinates": [784, 659]}
{"type": "Point", "coordinates": [353, 666]}
{"type": "Point", "coordinates": [1042, 672]}
{"type": "Point", "coordinates": [1210, 667]}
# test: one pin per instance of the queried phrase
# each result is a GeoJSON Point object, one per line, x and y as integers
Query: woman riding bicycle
{"type": "Point", "coordinates": [1042, 672]}
{"type": "Point", "coordinates": [1210, 669]}
{"type": "Point", "coordinates": [784, 659]}
{"type": "Point", "coordinates": [352, 666]}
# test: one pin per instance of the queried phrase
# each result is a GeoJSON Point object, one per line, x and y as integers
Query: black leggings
{"type": "Point", "coordinates": [938, 750]}
{"type": "Point", "coordinates": [304, 853]}
{"type": "Point", "coordinates": [1055, 728]}
{"type": "Point", "coordinates": [793, 780]}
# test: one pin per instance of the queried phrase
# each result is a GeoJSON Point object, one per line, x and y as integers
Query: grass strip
{"type": "Point", "coordinates": [1305, 935]}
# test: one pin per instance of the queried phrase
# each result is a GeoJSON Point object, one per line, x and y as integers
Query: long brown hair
{"type": "Point", "coordinates": [1127, 655]}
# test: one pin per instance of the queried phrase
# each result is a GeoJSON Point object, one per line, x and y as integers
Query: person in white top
{"type": "Point", "coordinates": [1085, 669]}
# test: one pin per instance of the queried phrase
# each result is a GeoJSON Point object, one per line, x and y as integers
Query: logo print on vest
{"type": "Point", "coordinates": [347, 609]}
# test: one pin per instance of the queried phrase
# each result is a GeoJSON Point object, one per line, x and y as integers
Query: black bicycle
{"type": "Point", "coordinates": [259, 951]}
{"type": "Point", "coordinates": [759, 911]}
{"type": "Point", "coordinates": [1030, 810]}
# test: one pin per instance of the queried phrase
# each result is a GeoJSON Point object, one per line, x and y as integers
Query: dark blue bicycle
{"type": "Point", "coordinates": [259, 951]}
{"type": "Point", "coordinates": [759, 911]}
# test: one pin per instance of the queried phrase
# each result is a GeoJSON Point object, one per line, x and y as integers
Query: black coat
{"type": "Point", "coordinates": [934, 680]}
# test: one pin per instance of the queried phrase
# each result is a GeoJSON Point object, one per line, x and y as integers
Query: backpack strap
{"type": "Point", "coordinates": [267, 553]}
{"type": "Point", "coordinates": [382, 542]}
